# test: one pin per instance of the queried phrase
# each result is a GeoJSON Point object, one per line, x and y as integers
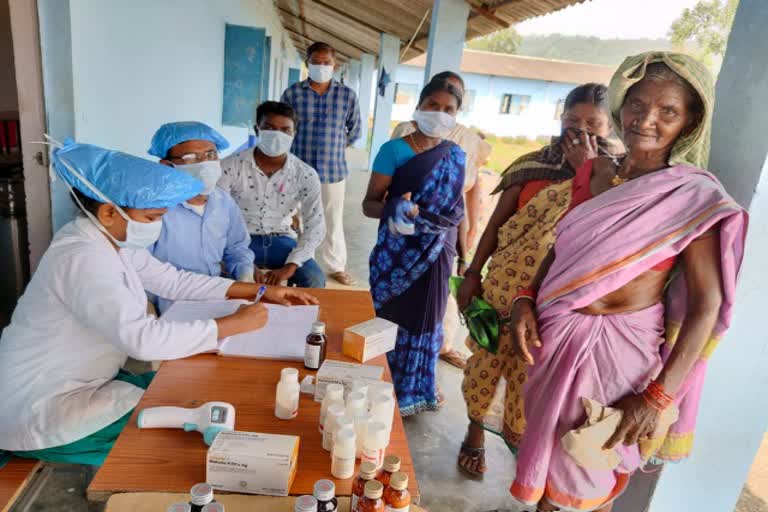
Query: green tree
{"type": "Point", "coordinates": [503, 41]}
{"type": "Point", "coordinates": [707, 25]}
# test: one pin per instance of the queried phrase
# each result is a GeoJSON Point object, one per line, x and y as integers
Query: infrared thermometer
{"type": "Point", "coordinates": [209, 419]}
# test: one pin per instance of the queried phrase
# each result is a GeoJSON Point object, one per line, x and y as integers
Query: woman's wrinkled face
{"type": "Point", "coordinates": [655, 114]}
{"type": "Point", "coordinates": [587, 117]}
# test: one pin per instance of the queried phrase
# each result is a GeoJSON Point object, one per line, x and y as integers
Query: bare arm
{"type": "Point", "coordinates": [472, 202]}
{"type": "Point", "coordinates": [506, 207]}
{"type": "Point", "coordinates": [701, 260]}
{"type": "Point", "coordinates": [373, 203]}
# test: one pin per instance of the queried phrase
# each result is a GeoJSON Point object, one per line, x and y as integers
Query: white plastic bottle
{"type": "Point", "coordinates": [334, 394]}
{"type": "Point", "coordinates": [380, 388]}
{"type": "Point", "coordinates": [361, 386]}
{"type": "Point", "coordinates": [383, 410]}
{"type": "Point", "coordinates": [361, 430]}
{"type": "Point", "coordinates": [287, 398]}
{"type": "Point", "coordinates": [334, 412]}
{"type": "Point", "coordinates": [343, 463]}
{"type": "Point", "coordinates": [356, 404]}
{"type": "Point", "coordinates": [375, 444]}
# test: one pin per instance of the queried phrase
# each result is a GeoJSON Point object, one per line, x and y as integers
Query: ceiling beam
{"type": "Point", "coordinates": [325, 4]}
{"type": "Point", "coordinates": [308, 23]}
{"type": "Point", "coordinates": [489, 14]}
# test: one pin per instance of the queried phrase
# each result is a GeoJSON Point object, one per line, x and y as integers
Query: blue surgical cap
{"type": "Point", "coordinates": [126, 180]}
{"type": "Point", "coordinates": [171, 134]}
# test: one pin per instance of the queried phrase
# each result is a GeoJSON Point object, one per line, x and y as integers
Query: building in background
{"type": "Point", "coordinates": [507, 95]}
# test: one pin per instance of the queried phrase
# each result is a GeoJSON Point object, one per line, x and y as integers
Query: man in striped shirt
{"type": "Point", "coordinates": [329, 121]}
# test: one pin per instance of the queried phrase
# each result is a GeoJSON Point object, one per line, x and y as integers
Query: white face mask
{"type": "Point", "coordinates": [274, 142]}
{"type": "Point", "coordinates": [209, 172]}
{"type": "Point", "coordinates": [320, 73]}
{"type": "Point", "coordinates": [138, 235]}
{"type": "Point", "coordinates": [434, 124]}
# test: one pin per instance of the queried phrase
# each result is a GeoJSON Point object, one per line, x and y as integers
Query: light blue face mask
{"type": "Point", "coordinates": [209, 172]}
{"type": "Point", "coordinates": [138, 235]}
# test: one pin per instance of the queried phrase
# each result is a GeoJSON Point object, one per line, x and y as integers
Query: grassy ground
{"type": "Point", "coordinates": [508, 149]}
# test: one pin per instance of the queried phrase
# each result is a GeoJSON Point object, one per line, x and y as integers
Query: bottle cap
{"type": "Point", "coordinates": [318, 328]}
{"type": "Point", "coordinates": [325, 490]}
{"type": "Point", "coordinates": [399, 481]}
{"type": "Point", "coordinates": [361, 386]}
{"type": "Point", "coordinates": [368, 470]}
{"type": "Point", "coordinates": [376, 437]}
{"type": "Point", "coordinates": [179, 507]}
{"type": "Point", "coordinates": [345, 422]}
{"type": "Point", "coordinates": [213, 507]}
{"type": "Point", "coordinates": [289, 375]}
{"type": "Point", "coordinates": [391, 463]}
{"type": "Point", "coordinates": [201, 494]}
{"type": "Point", "coordinates": [305, 504]}
{"type": "Point", "coordinates": [334, 412]}
{"type": "Point", "coordinates": [345, 437]}
{"type": "Point", "coordinates": [373, 489]}
{"type": "Point", "coordinates": [334, 391]}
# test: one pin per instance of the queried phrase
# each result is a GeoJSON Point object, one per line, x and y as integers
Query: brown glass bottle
{"type": "Point", "coordinates": [371, 501]}
{"type": "Point", "coordinates": [367, 473]}
{"type": "Point", "coordinates": [314, 349]}
{"type": "Point", "coordinates": [391, 466]}
{"type": "Point", "coordinates": [396, 496]}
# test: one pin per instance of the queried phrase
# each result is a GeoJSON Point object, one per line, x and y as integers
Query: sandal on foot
{"type": "Point", "coordinates": [454, 358]}
{"type": "Point", "coordinates": [475, 455]}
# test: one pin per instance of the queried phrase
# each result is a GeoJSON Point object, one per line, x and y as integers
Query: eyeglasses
{"type": "Point", "coordinates": [193, 158]}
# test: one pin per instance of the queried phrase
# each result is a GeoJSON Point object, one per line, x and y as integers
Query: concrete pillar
{"type": "Point", "coordinates": [389, 55]}
{"type": "Point", "coordinates": [365, 96]}
{"type": "Point", "coordinates": [352, 77]}
{"type": "Point", "coordinates": [447, 31]}
{"type": "Point", "coordinates": [734, 407]}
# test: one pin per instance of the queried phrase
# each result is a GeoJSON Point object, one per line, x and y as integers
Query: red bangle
{"type": "Point", "coordinates": [657, 397]}
{"type": "Point", "coordinates": [526, 292]}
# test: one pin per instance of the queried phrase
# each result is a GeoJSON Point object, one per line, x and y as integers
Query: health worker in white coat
{"type": "Point", "coordinates": [84, 312]}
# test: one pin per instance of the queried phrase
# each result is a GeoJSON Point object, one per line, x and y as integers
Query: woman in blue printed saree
{"type": "Point", "coordinates": [416, 192]}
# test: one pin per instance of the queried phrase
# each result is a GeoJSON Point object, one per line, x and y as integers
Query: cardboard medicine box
{"type": "Point", "coordinates": [363, 342]}
{"type": "Point", "coordinates": [344, 373]}
{"type": "Point", "coordinates": [251, 463]}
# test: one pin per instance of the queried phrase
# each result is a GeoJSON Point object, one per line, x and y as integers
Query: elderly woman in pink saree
{"type": "Point", "coordinates": [635, 295]}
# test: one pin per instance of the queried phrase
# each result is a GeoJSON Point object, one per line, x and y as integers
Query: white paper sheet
{"type": "Point", "coordinates": [283, 337]}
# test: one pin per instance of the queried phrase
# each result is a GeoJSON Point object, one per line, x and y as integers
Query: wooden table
{"type": "Point", "coordinates": [14, 477]}
{"type": "Point", "coordinates": [163, 460]}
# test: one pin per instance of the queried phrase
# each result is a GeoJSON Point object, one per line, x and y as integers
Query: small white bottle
{"type": "Point", "coordinates": [361, 430]}
{"type": "Point", "coordinates": [334, 394]}
{"type": "Point", "coordinates": [361, 386]}
{"type": "Point", "coordinates": [375, 444]}
{"type": "Point", "coordinates": [287, 398]}
{"type": "Point", "coordinates": [305, 504]}
{"type": "Point", "coordinates": [383, 410]}
{"type": "Point", "coordinates": [380, 388]}
{"type": "Point", "coordinates": [334, 412]}
{"type": "Point", "coordinates": [356, 404]}
{"type": "Point", "coordinates": [343, 462]}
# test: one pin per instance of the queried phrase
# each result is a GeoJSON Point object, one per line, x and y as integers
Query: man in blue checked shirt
{"type": "Point", "coordinates": [329, 121]}
{"type": "Point", "coordinates": [206, 234]}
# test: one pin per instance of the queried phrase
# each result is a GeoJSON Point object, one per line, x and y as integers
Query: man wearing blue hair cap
{"type": "Point", "coordinates": [208, 232]}
{"type": "Point", "coordinates": [85, 310]}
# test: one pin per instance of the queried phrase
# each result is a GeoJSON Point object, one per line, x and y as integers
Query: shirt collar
{"type": "Point", "coordinates": [334, 83]}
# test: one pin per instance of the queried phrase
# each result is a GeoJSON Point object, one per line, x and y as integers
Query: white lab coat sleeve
{"type": "Point", "coordinates": [99, 297]}
{"type": "Point", "coordinates": [166, 281]}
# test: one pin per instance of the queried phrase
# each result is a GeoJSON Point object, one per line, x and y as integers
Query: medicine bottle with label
{"type": "Point", "coordinates": [391, 466]}
{"type": "Point", "coordinates": [343, 458]}
{"type": "Point", "coordinates": [287, 394]}
{"type": "Point", "coordinates": [375, 443]}
{"type": "Point", "coordinates": [199, 496]}
{"type": "Point", "coordinates": [334, 394]}
{"type": "Point", "coordinates": [325, 494]}
{"type": "Point", "coordinates": [314, 349]}
{"type": "Point", "coordinates": [305, 504]}
{"type": "Point", "coordinates": [367, 473]}
{"type": "Point", "coordinates": [371, 501]}
{"type": "Point", "coordinates": [396, 496]}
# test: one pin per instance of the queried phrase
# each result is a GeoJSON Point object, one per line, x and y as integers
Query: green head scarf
{"type": "Point", "coordinates": [693, 149]}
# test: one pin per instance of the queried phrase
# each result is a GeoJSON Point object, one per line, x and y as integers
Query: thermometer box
{"type": "Point", "coordinates": [251, 463]}
{"type": "Point", "coordinates": [344, 373]}
{"type": "Point", "coordinates": [363, 342]}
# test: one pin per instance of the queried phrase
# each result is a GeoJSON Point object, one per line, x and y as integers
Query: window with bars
{"type": "Point", "coordinates": [514, 104]}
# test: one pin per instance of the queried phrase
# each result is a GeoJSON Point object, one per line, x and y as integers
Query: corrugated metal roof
{"type": "Point", "coordinates": [532, 68]}
{"type": "Point", "coordinates": [353, 27]}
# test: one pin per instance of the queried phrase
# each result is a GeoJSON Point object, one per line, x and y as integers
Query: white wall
{"type": "Point", "coordinates": [142, 63]}
{"type": "Point", "coordinates": [489, 90]}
